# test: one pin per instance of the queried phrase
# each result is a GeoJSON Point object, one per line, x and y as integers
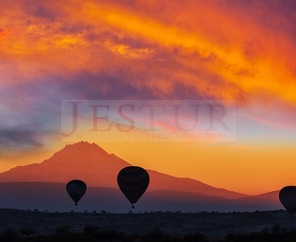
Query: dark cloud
{"type": "Point", "coordinates": [187, 91]}
{"type": "Point", "coordinates": [19, 139]}
{"type": "Point", "coordinates": [42, 9]}
{"type": "Point", "coordinates": [105, 85]}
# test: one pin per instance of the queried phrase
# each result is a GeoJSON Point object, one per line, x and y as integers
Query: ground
{"type": "Point", "coordinates": [212, 224]}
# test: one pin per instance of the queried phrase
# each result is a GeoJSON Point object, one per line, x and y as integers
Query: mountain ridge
{"type": "Point", "coordinates": [92, 164]}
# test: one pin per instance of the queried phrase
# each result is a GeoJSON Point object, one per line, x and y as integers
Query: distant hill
{"type": "Point", "coordinates": [53, 197]}
{"type": "Point", "coordinates": [97, 168]}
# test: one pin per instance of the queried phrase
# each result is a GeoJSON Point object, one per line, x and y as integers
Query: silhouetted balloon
{"type": "Point", "coordinates": [76, 189]}
{"type": "Point", "coordinates": [287, 197]}
{"type": "Point", "coordinates": [133, 182]}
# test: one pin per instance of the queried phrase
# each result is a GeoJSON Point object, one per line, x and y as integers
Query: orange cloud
{"type": "Point", "coordinates": [227, 61]}
{"type": "Point", "coordinates": [209, 38]}
{"type": "Point", "coordinates": [4, 33]}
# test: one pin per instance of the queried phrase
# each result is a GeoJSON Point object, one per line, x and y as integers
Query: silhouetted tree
{"type": "Point", "coordinates": [196, 238]}
{"type": "Point", "coordinates": [91, 229]}
{"type": "Point", "coordinates": [10, 235]}
{"type": "Point", "coordinates": [27, 231]}
{"type": "Point", "coordinates": [109, 235]}
{"type": "Point", "coordinates": [63, 229]}
{"type": "Point", "coordinates": [156, 236]}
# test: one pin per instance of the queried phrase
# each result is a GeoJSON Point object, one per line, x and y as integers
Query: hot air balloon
{"type": "Point", "coordinates": [133, 182]}
{"type": "Point", "coordinates": [287, 197]}
{"type": "Point", "coordinates": [76, 190]}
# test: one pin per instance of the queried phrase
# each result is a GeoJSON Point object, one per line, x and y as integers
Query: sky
{"type": "Point", "coordinates": [238, 54]}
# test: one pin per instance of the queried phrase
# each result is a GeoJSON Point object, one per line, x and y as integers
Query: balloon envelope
{"type": "Point", "coordinates": [76, 189]}
{"type": "Point", "coordinates": [287, 197]}
{"type": "Point", "coordinates": [133, 182]}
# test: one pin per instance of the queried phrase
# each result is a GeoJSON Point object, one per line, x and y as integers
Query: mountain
{"type": "Point", "coordinates": [82, 160]}
{"type": "Point", "coordinates": [97, 168]}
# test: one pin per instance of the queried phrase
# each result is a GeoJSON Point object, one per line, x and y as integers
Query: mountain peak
{"type": "Point", "coordinates": [81, 149]}
{"type": "Point", "coordinates": [82, 160]}
{"type": "Point", "coordinates": [85, 146]}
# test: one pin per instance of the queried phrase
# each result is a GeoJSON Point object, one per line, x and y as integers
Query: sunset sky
{"type": "Point", "coordinates": [241, 51]}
